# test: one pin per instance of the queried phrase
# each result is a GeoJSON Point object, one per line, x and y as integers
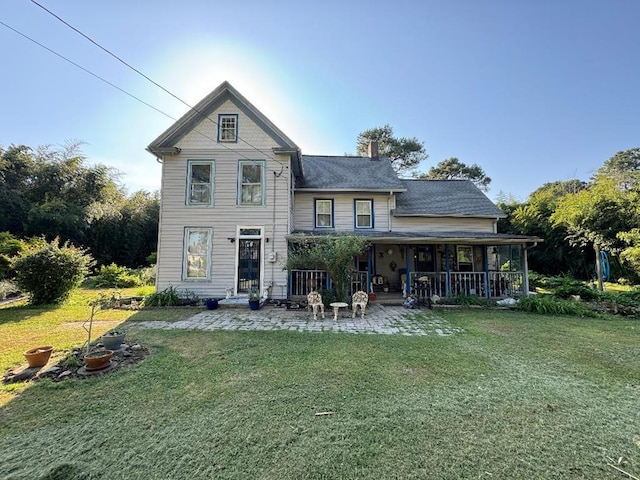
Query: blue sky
{"type": "Point", "coordinates": [533, 91]}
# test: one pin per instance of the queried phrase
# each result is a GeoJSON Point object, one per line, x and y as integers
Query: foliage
{"type": "Point", "coordinates": [404, 153]}
{"type": "Point", "coordinates": [10, 246]}
{"type": "Point", "coordinates": [619, 303]}
{"type": "Point", "coordinates": [115, 276]}
{"type": "Point", "coordinates": [53, 192]}
{"type": "Point", "coordinates": [49, 272]}
{"type": "Point", "coordinates": [170, 297]}
{"type": "Point", "coordinates": [549, 305]}
{"type": "Point", "coordinates": [328, 296]}
{"type": "Point", "coordinates": [454, 169]}
{"type": "Point", "coordinates": [467, 300]}
{"type": "Point", "coordinates": [334, 255]}
{"type": "Point", "coordinates": [254, 294]}
{"type": "Point", "coordinates": [8, 289]}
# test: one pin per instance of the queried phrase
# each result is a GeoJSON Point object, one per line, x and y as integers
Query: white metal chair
{"type": "Point", "coordinates": [314, 302]}
{"type": "Point", "coordinates": [359, 299]}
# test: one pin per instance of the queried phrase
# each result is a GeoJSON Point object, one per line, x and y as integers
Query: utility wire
{"type": "Point", "coordinates": [109, 52]}
{"type": "Point", "coordinates": [127, 93]}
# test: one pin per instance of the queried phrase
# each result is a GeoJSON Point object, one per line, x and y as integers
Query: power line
{"type": "Point", "coordinates": [59, 55]}
{"type": "Point", "coordinates": [109, 52]}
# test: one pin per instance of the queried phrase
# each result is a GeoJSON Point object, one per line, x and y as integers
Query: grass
{"type": "Point", "coordinates": [515, 396]}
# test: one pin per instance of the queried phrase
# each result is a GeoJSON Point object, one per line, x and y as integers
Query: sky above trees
{"type": "Point", "coordinates": [533, 92]}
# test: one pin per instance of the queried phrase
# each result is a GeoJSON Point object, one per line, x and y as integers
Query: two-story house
{"type": "Point", "coordinates": [236, 191]}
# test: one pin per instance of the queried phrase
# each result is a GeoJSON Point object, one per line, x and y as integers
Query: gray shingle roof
{"type": "Point", "coordinates": [444, 198]}
{"type": "Point", "coordinates": [348, 173]}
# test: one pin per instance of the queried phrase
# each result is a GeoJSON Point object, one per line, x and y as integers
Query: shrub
{"type": "Point", "coordinates": [49, 272]}
{"type": "Point", "coordinates": [569, 290]}
{"type": "Point", "coordinates": [10, 246]}
{"type": "Point", "coordinates": [8, 289]}
{"type": "Point", "coordinates": [467, 300]}
{"type": "Point", "coordinates": [115, 276]}
{"type": "Point", "coordinates": [170, 297]}
{"type": "Point", "coordinates": [550, 305]}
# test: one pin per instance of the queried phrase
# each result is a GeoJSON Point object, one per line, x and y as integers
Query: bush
{"type": "Point", "coordinates": [467, 300]}
{"type": "Point", "coordinates": [622, 303]}
{"type": "Point", "coordinates": [10, 246]}
{"type": "Point", "coordinates": [549, 305]}
{"type": "Point", "coordinates": [49, 272]}
{"type": "Point", "coordinates": [115, 276]}
{"type": "Point", "coordinates": [8, 289]}
{"type": "Point", "coordinates": [170, 297]}
{"type": "Point", "coordinates": [569, 290]}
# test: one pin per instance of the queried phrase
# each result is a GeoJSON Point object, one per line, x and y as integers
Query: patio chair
{"type": "Point", "coordinates": [314, 301]}
{"type": "Point", "coordinates": [359, 299]}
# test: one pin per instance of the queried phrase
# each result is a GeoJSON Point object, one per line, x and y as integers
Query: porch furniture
{"type": "Point", "coordinates": [314, 302]}
{"type": "Point", "coordinates": [336, 307]}
{"type": "Point", "coordinates": [422, 288]}
{"type": "Point", "coordinates": [359, 299]}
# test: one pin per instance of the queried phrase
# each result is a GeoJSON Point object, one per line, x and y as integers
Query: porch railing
{"type": "Point", "coordinates": [304, 281]}
{"type": "Point", "coordinates": [504, 284]}
{"type": "Point", "coordinates": [501, 284]}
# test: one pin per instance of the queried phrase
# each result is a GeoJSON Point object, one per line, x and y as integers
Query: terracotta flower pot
{"type": "Point", "coordinates": [39, 356]}
{"type": "Point", "coordinates": [98, 360]}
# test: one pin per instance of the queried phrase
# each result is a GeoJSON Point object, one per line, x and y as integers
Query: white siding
{"type": "Point", "coordinates": [205, 134]}
{"type": "Point", "coordinates": [442, 224]}
{"type": "Point", "coordinates": [224, 217]}
{"type": "Point", "coordinates": [344, 208]}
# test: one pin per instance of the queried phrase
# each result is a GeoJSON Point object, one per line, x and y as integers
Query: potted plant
{"type": "Point", "coordinates": [113, 340]}
{"type": "Point", "coordinates": [254, 299]}
{"type": "Point", "coordinates": [211, 303]}
{"type": "Point", "coordinates": [98, 359]}
{"type": "Point", "coordinates": [39, 356]}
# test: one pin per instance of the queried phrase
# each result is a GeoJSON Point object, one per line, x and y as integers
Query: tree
{"type": "Point", "coordinates": [454, 169]}
{"type": "Point", "coordinates": [332, 254]}
{"type": "Point", "coordinates": [404, 153]}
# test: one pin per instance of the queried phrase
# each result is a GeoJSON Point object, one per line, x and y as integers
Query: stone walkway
{"type": "Point", "coordinates": [379, 319]}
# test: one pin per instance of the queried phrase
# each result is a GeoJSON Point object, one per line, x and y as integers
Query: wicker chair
{"type": "Point", "coordinates": [314, 302]}
{"type": "Point", "coordinates": [359, 299]}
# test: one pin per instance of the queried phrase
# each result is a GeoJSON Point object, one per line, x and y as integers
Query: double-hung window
{"type": "Point", "coordinates": [251, 182]}
{"type": "Point", "coordinates": [364, 213]}
{"type": "Point", "coordinates": [324, 213]}
{"type": "Point", "coordinates": [227, 127]}
{"type": "Point", "coordinates": [200, 177]}
{"type": "Point", "coordinates": [197, 253]}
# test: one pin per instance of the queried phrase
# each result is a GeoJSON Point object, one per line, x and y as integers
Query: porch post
{"type": "Point", "coordinates": [369, 267]}
{"type": "Point", "coordinates": [525, 273]}
{"type": "Point", "coordinates": [487, 287]}
{"type": "Point", "coordinates": [407, 264]}
{"type": "Point", "coordinates": [448, 268]}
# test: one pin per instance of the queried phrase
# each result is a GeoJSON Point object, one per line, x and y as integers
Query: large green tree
{"type": "Point", "coordinates": [404, 153]}
{"type": "Point", "coordinates": [454, 169]}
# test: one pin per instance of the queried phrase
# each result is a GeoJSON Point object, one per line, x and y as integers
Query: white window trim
{"type": "Point", "coordinates": [212, 177]}
{"type": "Point", "coordinates": [331, 223]}
{"type": "Point", "coordinates": [262, 242]}
{"type": "Point", "coordinates": [370, 203]}
{"type": "Point", "coordinates": [185, 262]}
{"type": "Point", "coordinates": [221, 118]}
{"type": "Point", "coordinates": [263, 183]}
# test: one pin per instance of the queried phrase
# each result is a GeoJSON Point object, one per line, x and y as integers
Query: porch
{"type": "Point", "coordinates": [425, 270]}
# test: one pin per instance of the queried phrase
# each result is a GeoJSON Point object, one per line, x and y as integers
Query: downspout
{"type": "Point", "coordinates": [273, 235]}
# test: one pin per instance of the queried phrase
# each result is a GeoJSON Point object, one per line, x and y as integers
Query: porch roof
{"type": "Point", "coordinates": [480, 238]}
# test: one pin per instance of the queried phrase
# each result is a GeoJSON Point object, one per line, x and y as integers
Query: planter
{"type": "Point", "coordinates": [254, 304]}
{"type": "Point", "coordinates": [112, 340]}
{"type": "Point", "coordinates": [98, 360]}
{"type": "Point", "coordinates": [372, 297]}
{"type": "Point", "coordinates": [39, 356]}
{"type": "Point", "coordinates": [211, 303]}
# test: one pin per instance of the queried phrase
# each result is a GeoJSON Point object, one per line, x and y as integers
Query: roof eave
{"type": "Point", "coordinates": [346, 190]}
{"type": "Point", "coordinates": [448, 215]}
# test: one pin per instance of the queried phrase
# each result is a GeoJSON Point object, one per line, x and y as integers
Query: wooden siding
{"type": "Point", "coordinates": [442, 224]}
{"type": "Point", "coordinates": [343, 207]}
{"type": "Point", "coordinates": [224, 217]}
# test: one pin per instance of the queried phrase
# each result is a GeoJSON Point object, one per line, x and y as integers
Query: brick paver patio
{"type": "Point", "coordinates": [386, 320]}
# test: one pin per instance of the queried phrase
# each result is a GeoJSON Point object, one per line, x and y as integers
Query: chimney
{"type": "Point", "coordinates": [373, 149]}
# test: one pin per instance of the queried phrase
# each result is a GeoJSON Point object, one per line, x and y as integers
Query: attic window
{"type": "Point", "coordinates": [227, 127]}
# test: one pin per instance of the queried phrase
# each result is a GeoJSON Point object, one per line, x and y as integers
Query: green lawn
{"type": "Point", "coordinates": [514, 396]}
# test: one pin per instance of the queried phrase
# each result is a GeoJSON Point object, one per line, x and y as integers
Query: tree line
{"type": "Point", "coordinates": [54, 193]}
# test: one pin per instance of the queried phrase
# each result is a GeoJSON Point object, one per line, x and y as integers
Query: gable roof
{"type": "Point", "coordinates": [444, 198]}
{"type": "Point", "coordinates": [346, 173]}
{"type": "Point", "coordinates": [207, 106]}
